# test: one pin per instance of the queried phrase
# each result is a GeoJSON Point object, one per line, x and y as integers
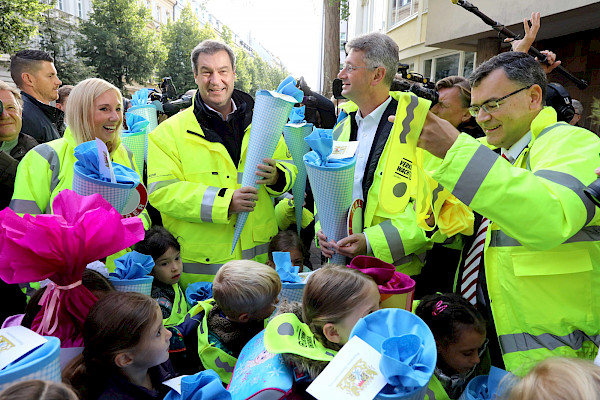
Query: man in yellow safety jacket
{"type": "Point", "coordinates": [541, 255]}
{"type": "Point", "coordinates": [367, 75]}
{"type": "Point", "coordinates": [195, 165]}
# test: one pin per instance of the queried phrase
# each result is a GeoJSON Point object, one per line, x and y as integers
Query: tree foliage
{"type": "Point", "coordinates": [119, 43]}
{"type": "Point", "coordinates": [58, 32]}
{"type": "Point", "coordinates": [18, 20]}
{"type": "Point", "coordinates": [180, 38]}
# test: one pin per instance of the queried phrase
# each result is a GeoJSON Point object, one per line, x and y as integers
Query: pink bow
{"type": "Point", "coordinates": [439, 307]}
{"type": "Point", "coordinates": [50, 303]}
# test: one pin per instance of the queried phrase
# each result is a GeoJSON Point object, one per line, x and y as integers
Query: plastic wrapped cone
{"type": "Point", "coordinates": [138, 143]}
{"type": "Point", "coordinates": [294, 135]}
{"type": "Point", "coordinates": [271, 111]}
{"type": "Point", "coordinates": [332, 190]}
{"type": "Point", "coordinates": [147, 111]}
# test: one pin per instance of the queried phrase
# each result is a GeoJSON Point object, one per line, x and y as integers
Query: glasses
{"type": "Point", "coordinates": [493, 105]}
{"type": "Point", "coordinates": [351, 68]}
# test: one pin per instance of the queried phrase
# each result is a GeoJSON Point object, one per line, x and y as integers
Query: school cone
{"type": "Point", "coordinates": [294, 135]}
{"type": "Point", "coordinates": [271, 111]}
{"type": "Point", "coordinates": [332, 190]}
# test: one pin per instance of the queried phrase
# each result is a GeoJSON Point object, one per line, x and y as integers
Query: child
{"type": "Point", "coordinates": [559, 378]}
{"type": "Point", "coordinates": [287, 241]}
{"type": "Point", "coordinates": [38, 390]}
{"type": "Point", "coordinates": [164, 249]}
{"type": "Point", "coordinates": [460, 337]}
{"type": "Point", "coordinates": [335, 298]}
{"type": "Point", "coordinates": [125, 352]}
{"type": "Point", "coordinates": [245, 294]}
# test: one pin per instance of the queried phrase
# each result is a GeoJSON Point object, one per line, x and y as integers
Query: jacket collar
{"type": "Point", "coordinates": [54, 114]}
{"type": "Point", "coordinates": [207, 117]}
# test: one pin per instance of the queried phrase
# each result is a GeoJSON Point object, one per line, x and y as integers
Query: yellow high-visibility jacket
{"type": "Point", "coordinates": [191, 181]}
{"type": "Point", "coordinates": [542, 250]}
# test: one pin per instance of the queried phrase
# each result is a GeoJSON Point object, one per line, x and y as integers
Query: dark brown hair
{"type": "Point", "coordinates": [115, 323]}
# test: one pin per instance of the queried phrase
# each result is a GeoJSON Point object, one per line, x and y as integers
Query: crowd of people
{"type": "Point", "coordinates": [518, 293]}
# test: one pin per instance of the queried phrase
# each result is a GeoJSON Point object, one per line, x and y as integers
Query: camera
{"type": "Point", "coordinates": [422, 86]}
{"type": "Point", "coordinates": [319, 110]}
{"type": "Point", "coordinates": [558, 98]}
{"type": "Point", "coordinates": [171, 102]}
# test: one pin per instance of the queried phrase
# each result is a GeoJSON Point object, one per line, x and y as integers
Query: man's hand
{"type": "Point", "coordinates": [437, 136]}
{"type": "Point", "coordinates": [524, 44]}
{"type": "Point", "coordinates": [551, 61]}
{"type": "Point", "coordinates": [352, 246]}
{"type": "Point", "coordinates": [268, 171]}
{"type": "Point", "coordinates": [326, 247]}
{"type": "Point", "coordinates": [243, 200]}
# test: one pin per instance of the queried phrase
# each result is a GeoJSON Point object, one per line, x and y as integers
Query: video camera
{"type": "Point", "coordinates": [319, 110]}
{"type": "Point", "coordinates": [171, 102]}
{"type": "Point", "coordinates": [410, 82]}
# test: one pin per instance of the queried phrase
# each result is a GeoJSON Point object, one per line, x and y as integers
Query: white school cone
{"type": "Point", "coordinates": [332, 190]}
{"type": "Point", "coordinates": [271, 112]}
{"type": "Point", "coordinates": [294, 135]}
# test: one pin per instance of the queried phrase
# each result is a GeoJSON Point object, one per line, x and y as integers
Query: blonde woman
{"type": "Point", "coordinates": [94, 110]}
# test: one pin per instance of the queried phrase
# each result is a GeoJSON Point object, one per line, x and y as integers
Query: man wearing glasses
{"type": "Point", "coordinates": [367, 75]}
{"type": "Point", "coordinates": [541, 254]}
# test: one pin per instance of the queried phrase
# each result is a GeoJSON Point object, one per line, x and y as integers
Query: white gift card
{"type": "Point", "coordinates": [15, 342]}
{"type": "Point", "coordinates": [352, 374]}
{"type": "Point", "coordinates": [105, 164]}
{"type": "Point", "coordinates": [175, 383]}
{"type": "Point", "coordinates": [343, 149]}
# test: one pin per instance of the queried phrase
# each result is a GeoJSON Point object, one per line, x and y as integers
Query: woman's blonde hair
{"type": "Point", "coordinates": [559, 378]}
{"type": "Point", "coordinates": [38, 390]}
{"type": "Point", "coordinates": [330, 295]}
{"type": "Point", "coordinates": [80, 107]}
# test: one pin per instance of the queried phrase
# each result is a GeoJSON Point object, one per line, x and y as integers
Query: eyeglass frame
{"type": "Point", "coordinates": [351, 68]}
{"type": "Point", "coordinates": [474, 110]}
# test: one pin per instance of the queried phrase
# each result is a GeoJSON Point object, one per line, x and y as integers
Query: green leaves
{"type": "Point", "coordinates": [18, 20]}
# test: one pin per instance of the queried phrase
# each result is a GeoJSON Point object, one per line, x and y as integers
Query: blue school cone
{"type": "Point", "coordinates": [136, 139]}
{"type": "Point", "coordinates": [271, 111]}
{"type": "Point", "coordinates": [331, 181]}
{"type": "Point", "coordinates": [408, 350]}
{"type": "Point", "coordinates": [294, 134]}
{"type": "Point", "coordinates": [488, 387]}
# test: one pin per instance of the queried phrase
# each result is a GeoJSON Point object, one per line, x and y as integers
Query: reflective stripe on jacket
{"type": "Point", "coordinates": [395, 239]}
{"type": "Point", "coordinates": [542, 250]}
{"type": "Point", "coordinates": [47, 169]}
{"type": "Point", "coordinates": [191, 181]}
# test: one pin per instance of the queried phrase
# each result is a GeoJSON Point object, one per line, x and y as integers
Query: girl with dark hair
{"type": "Point", "coordinates": [126, 352]}
{"type": "Point", "coordinates": [164, 249]}
{"type": "Point", "coordinates": [460, 337]}
{"type": "Point", "coordinates": [287, 241]}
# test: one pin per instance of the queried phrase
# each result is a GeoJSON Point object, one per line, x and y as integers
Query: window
{"type": "Point", "coordinates": [458, 63]}
{"type": "Point", "coordinates": [401, 10]}
{"type": "Point", "coordinates": [61, 5]}
{"type": "Point", "coordinates": [79, 9]}
{"type": "Point", "coordinates": [157, 16]}
{"type": "Point", "coordinates": [167, 16]}
{"type": "Point", "coordinates": [342, 41]}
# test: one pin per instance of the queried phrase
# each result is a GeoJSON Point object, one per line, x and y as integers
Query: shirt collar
{"type": "Point", "coordinates": [225, 118]}
{"type": "Point", "coordinates": [375, 114]}
{"type": "Point", "coordinates": [513, 152]}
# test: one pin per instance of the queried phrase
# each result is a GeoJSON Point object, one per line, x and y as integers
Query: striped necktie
{"type": "Point", "coordinates": [468, 284]}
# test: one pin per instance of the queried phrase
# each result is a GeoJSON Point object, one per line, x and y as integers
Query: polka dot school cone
{"type": "Point", "coordinates": [294, 135]}
{"type": "Point", "coordinates": [332, 190]}
{"type": "Point", "coordinates": [42, 363]}
{"type": "Point", "coordinates": [271, 111]}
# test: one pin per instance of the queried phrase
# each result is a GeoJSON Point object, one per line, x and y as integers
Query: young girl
{"type": "Point", "coordinates": [165, 251]}
{"type": "Point", "coordinates": [460, 337]}
{"type": "Point", "coordinates": [287, 241]}
{"type": "Point", "coordinates": [335, 298]}
{"type": "Point", "coordinates": [126, 350]}
{"type": "Point", "coordinates": [38, 390]}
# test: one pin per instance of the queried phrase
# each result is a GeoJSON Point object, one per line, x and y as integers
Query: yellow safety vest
{"type": "Point", "coordinates": [542, 250]}
{"type": "Point", "coordinates": [179, 310]}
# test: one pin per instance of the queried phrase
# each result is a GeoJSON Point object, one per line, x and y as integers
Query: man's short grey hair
{"type": "Point", "coordinates": [210, 47]}
{"type": "Point", "coordinates": [379, 51]}
{"type": "Point", "coordinates": [577, 106]}
{"type": "Point", "coordinates": [519, 67]}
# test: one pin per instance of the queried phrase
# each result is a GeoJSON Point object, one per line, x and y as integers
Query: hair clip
{"type": "Point", "coordinates": [439, 307]}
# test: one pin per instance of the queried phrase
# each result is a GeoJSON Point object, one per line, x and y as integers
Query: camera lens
{"type": "Point", "coordinates": [593, 192]}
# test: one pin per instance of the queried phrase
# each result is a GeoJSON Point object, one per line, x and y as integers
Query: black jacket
{"type": "Point", "coordinates": [8, 167]}
{"type": "Point", "coordinates": [43, 122]}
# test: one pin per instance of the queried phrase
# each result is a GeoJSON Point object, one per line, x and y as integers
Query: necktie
{"type": "Point", "coordinates": [468, 283]}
